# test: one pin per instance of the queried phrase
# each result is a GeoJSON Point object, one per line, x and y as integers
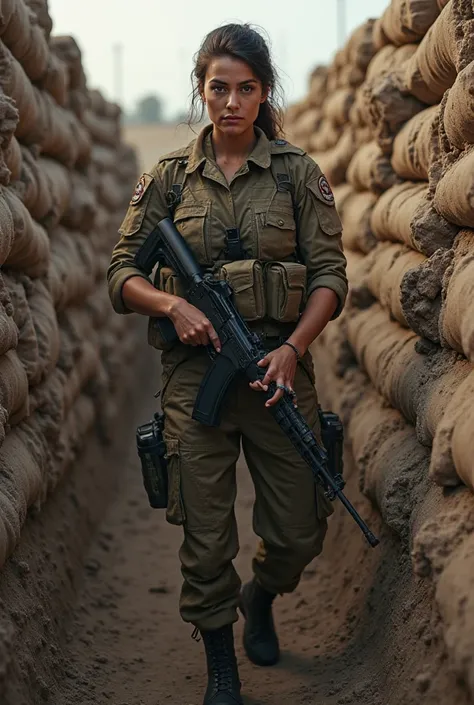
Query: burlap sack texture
{"type": "Point", "coordinates": [398, 365]}
{"type": "Point", "coordinates": [65, 179]}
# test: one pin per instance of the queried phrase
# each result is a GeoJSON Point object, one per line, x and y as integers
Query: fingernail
{"type": "Point", "coordinates": [218, 349]}
{"type": "Point", "coordinates": [265, 386]}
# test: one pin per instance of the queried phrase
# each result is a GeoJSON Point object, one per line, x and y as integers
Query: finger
{"type": "Point", "coordinates": [269, 376]}
{"type": "Point", "coordinates": [258, 386]}
{"type": "Point", "coordinates": [264, 362]}
{"type": "Point", "coordinates": [275, 398]}
{"type": "Point", "coordinates": [213, 337]}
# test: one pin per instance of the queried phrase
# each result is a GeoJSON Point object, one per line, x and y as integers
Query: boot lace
{"type": "Point", "coordinates": [221, 664]}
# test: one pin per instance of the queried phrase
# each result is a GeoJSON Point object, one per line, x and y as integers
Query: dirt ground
{"type": "Point", "coordinates": [358, 629]}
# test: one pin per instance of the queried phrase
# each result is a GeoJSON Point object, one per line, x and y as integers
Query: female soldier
{"type": "Point", "coordinates": [258, 212]}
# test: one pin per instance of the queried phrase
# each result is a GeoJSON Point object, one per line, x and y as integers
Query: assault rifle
{"type": "Point", "coordinates": [240, 352]}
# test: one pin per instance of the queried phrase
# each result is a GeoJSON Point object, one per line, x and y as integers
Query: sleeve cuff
{"type": "Point", "coordinates": [116, 283]}
{"type": "Point", "coordinates": [330, 282]}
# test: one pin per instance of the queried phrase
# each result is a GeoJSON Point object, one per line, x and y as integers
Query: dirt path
{"type": "Point", "coordinates": [358, 630]}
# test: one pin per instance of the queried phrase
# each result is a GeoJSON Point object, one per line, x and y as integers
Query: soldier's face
{"type": "Point", "coordinates": [233, 94]}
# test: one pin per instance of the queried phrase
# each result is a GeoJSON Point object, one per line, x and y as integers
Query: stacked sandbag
{"type": "Point", "coordinates": [398, 364]}
{"type": "Point", "coordinates": [65, 180]}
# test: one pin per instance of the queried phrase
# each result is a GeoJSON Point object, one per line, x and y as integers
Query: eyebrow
{"type": "Point", "coordinates": [224, 83]}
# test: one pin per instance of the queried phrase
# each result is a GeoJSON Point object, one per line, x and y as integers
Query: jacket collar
{"type": "Point", "coordinates": [202, 151]}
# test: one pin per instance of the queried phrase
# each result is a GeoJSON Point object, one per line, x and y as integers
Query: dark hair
{"type": "Point", "coordinates": [242, 42]}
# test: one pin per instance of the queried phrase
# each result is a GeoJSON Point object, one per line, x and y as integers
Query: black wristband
{"type": "Point", "coordinates": [294, 348]}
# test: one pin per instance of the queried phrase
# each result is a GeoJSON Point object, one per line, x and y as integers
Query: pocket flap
{"type": "Point", "coordinates": [296, 275]}
{"type": "Point", "coordinates": [327, 214]}
{"type": "Point", "coordinates": [240, 274]}
{"type": "Point", "coordinates": [190, 210]}
{"type": "Point", "coordinates": [281, 219]}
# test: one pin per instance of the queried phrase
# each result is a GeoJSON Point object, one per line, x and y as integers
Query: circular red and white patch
{"type": "Point", "coordinates": [325, 189]}
{"type": "Point", "coordinates": [139, 191]}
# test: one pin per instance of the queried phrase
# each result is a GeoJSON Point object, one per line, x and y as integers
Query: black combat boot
{"type": "Point", "coordinates": [223, 686]}
{"type": "Point", "coordinates": [260, 638]}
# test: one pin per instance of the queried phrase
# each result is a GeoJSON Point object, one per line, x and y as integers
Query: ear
{"type": "Point", "coordinates": [265, 93]}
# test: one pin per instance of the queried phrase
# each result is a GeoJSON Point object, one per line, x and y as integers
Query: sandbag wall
{"type": "Point", "coordinates": [398, 148]}
{"type": "Point", "coordinates": [65, 181]}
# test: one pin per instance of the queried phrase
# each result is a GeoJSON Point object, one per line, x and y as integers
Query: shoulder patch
{"type": "Point", "coordinates": [325, 189]}
{"type": "Point", "coordinates": [280, 143]}
{"type": "Point", "coordinates": [143, 183]}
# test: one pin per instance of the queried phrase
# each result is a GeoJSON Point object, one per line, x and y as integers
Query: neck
{"type": "Point", "coordinates": [233, 147]}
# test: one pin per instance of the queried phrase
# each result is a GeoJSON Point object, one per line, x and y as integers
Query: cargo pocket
{"type": "Point", "coordinates": [175, 513]}
{"type": "Point", "coordinates": [191, 221]}
{"type": "Point", "coordinates": [276, 230]}
{"type": "Point", "coordinates": [326, 211]}
{"type": "Point", "coordinates": [285, 290]}
{"type": "Point", "coordinates": [246, 280]}
{"type": "Point", "coordinates": [170, 283]}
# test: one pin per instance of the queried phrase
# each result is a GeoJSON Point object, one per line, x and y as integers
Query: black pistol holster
{"type": "Point", "coordinates": [152, 452]}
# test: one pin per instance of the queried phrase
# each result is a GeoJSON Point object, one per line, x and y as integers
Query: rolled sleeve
{"type": "Point", "coordinates": [139, 221]}
{"type": "Point", "coordinates": [320, 236]}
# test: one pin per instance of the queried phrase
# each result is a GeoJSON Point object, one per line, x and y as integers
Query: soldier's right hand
{"type": "Point", "coordinates": [192, 326]}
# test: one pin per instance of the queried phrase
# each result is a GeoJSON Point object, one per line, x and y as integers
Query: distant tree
{"type": "Point", "coordinates": [149, 109]}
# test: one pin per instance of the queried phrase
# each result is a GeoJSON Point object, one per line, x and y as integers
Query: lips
{"type": "Point", "coordinates": [231, 118]}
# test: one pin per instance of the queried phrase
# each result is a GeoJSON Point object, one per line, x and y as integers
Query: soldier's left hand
{"type": "Point", "coordinates": [281, 369]}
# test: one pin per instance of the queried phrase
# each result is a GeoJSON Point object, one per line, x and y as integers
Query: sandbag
{"type": "Point", "coordinates": [412, 146]}
{"type": "Point", "coordinates": [30, 251]}
{"type": "Point", "coordinates": [392, 215]}
{"type": "Point", "coordinates": [406, 21]}
{"type": "Point", "coordinates": [456, 321]}
{"type": "Point", "coordinates": [333, 162]}
{"type": "Point", "coordinates": [83, 206]}
{"type": "Point", "coordinates": [13, 159]}
{"type": "Point", "coordinates": [388, 107]}
{"type": "Point", "coordinates": [338, 105]}
{"type": "Point", "coordinates": [7, 227]}
{"type": "Point", "coordinates": [420, 294]}
{"type": "Point", "coordinates": [34, 189]}
{"type": "Point", "coordinates": [71, 275]}
{"type": "Point", "coordinates": [46, 328]}
{"type": "Point", "coordinates": [8, 324]}
{"type": "Point", "coordinates": [27, 345]}
{"type": "Point", "coordinates": [452, 457]}
{"type": "Point", "coordinates": [458, 115]}
{"type": "Point", "coordinates": [444, 51]}
{"type": "Point", "coordinates": [418, 380]}
{"type": "Point", "coordinates": [454, 197]}
{"type": "Point", "coordinates": [13, 387]}
{"type": "Point", "coordinates": [430, 230]}
{"type": "Point", "coordinates": [40, 8]}
{"type": "Point", "coordinates": [25, 40]}
{"type": "Point", "coordinates": [390, 263]}
{"type": "Point", "coordinates": [32, 123]}
{"type": "Point", "coordinates": [20, 487]}
{"type": "Point", "coordinates": [370, 170]}
{"type": "Point", "coordinates": [357, 232]}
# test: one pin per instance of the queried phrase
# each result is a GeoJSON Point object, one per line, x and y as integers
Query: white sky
{"type": "Point", "coordinates": [159, 38]}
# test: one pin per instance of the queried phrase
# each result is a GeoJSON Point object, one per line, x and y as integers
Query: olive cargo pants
{"type": "Point", "coordinates": [289, 513]}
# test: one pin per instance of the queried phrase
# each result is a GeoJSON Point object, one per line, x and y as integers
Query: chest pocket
{"type": "Point", "coordinates": [192, 221]}
{"type": "Point", "coordinates": [276, 231]}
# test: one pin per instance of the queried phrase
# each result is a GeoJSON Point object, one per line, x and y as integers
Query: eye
{"type": "Point", "coordinates": [218, 89]}
{"type": "Point", "coordinates": [247, 89]}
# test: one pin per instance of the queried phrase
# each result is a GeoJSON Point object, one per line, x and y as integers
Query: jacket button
{"type": "Point", "coordinates": [281, 222]}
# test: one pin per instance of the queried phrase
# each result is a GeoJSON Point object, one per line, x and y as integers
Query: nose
{"type": "Point", "coordinates": [233, 102]}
